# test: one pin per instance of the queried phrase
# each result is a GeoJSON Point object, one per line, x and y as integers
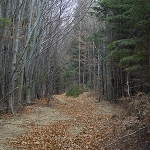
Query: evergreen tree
{"type": "Point", "coordinates": [129, 22]}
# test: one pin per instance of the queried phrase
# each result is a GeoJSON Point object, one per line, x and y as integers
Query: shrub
{"type": "Point", "coordinates": [74, 90]}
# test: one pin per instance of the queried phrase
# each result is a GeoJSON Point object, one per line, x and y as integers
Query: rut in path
{"type": "Point", "coordinates": [69, 124]}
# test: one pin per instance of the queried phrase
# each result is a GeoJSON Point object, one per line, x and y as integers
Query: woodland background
{"type": "Point", "coordinates": [48, 45]}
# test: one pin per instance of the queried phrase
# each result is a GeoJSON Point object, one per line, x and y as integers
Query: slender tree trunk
{"type": "Point", "coordinates": [79, 47]}
{"type": "Point", "coordinates": [20, 89]}
{"type": "Point", "coordinates": [102, 66]}
{"type": "Point", "coordinates": [106, 78]}
{"type": "Point", "coordinates": [128, 86]}
{"type": "Point", "coordinates": [94, 67]}
{"type": "Point", "coordinates": [89, 68]}
{"type": "Point", "coordinates": [149, 55]}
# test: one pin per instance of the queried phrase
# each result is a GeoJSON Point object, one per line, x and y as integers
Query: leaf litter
{"type": "Point", "coordinates": [89, 126]}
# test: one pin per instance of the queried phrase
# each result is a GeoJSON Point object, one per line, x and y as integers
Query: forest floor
{"type": "Point", "coordinates": [68, 124]}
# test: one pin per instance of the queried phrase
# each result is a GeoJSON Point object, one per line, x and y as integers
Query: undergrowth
{"type": "Point", "coordinates": [74, 90]}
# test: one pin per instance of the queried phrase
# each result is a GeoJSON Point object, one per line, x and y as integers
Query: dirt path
{"type": "Point", "coordinates": [69, 124]}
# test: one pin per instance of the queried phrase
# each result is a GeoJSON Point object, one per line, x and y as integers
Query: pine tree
{"type": "Point", "coordinates": [129, 22]}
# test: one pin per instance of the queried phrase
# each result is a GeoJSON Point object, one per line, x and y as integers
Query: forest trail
{"type": "Point", "coordinates": [69, 124]}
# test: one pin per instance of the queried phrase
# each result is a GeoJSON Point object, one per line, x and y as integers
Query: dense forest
{"type": "Point", "coordinates": [32, 48]}
{"type": "Point", "coordinates": [124, 40]}
{"type": "Point", "coordinates": [46, 46]}
{"type": "Point", "coordinates": [75, 74]}
{"type": "Point", "coordinates": [114, 48]}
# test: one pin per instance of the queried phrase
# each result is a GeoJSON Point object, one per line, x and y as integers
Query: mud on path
{"type": "Point", "coordinates": [69, 124]}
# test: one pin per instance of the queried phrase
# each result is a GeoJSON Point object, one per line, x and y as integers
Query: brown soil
{"type": "Point", "coordinates": [11, 127]}
{"type": "Point", "coordinates": [69, 124]}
